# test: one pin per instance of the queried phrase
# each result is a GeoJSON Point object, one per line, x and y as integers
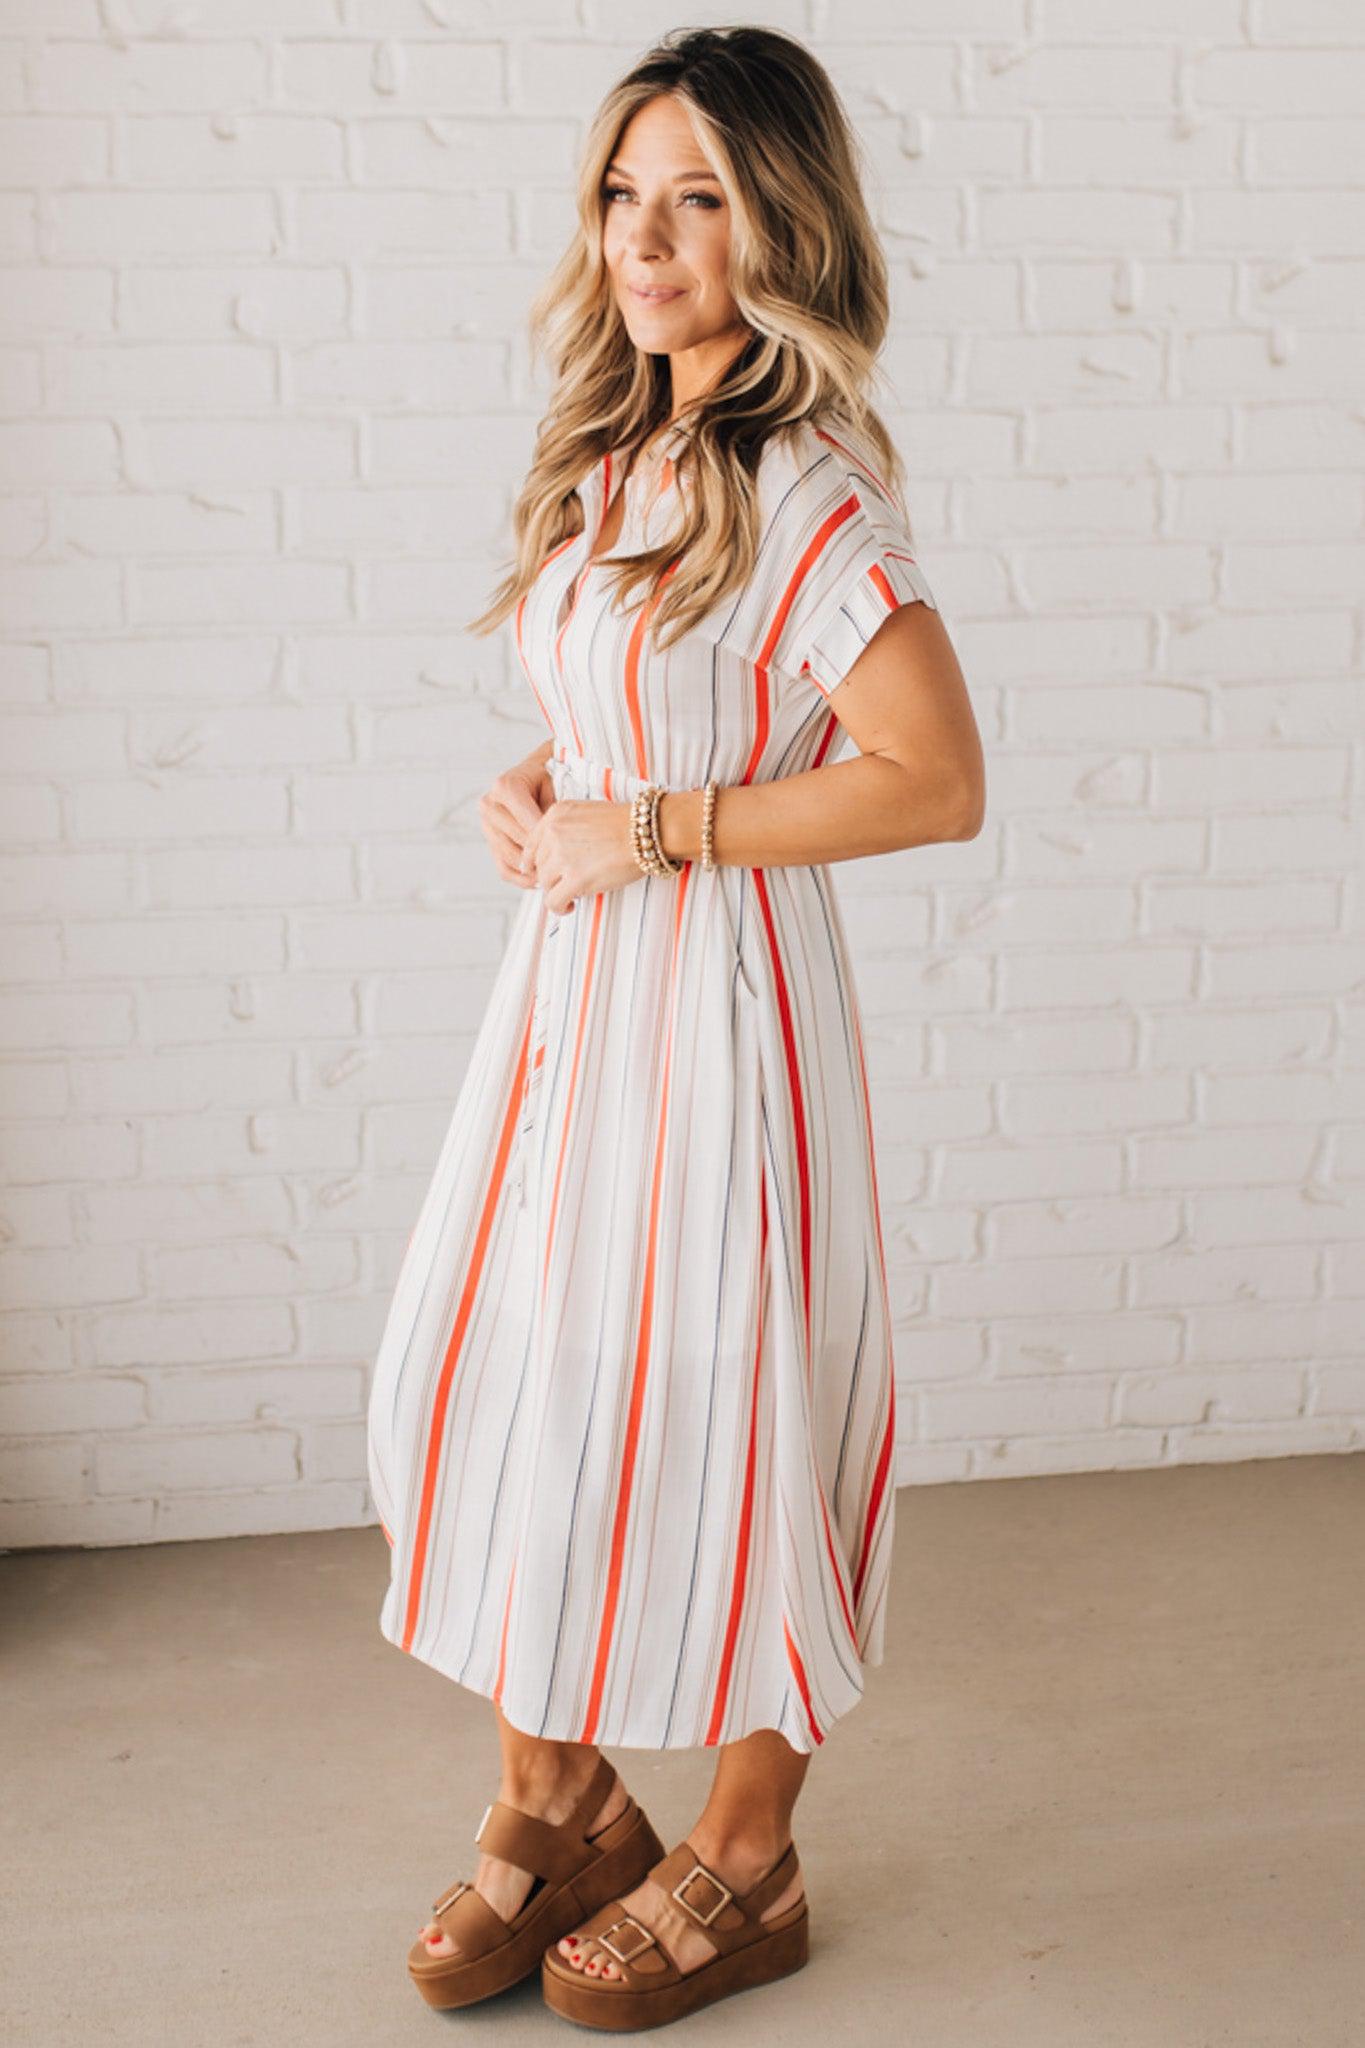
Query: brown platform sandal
{"type": "Point", "coordinates": [573, 1877]}
{"type": "Point", "coordinates": [651, 1989]}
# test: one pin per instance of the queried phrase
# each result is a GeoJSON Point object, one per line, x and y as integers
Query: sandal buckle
{"type": "Point", "coordinates": [627, 1920]}
{"type": "Point", "coordinates": [449, 1898]}
{"type": "Point", "coordinates": [699, 1870]}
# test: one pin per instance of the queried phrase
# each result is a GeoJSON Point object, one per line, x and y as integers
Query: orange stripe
{"type": "Point", "coordinates": [760, 881]}
{"type": "Point", "coordinates": [502, 1639]}
{"type": "Point", "coordinates": [571, 1089]}
{"type": "Point", "coordinates": [553, 555]}
{"type": "Point", "coordinates": [631, 683]}
{"type": "Point", "coordinates": [878, 1488]}
{"type": "Point", "coordinates": [827, 739]}
{"type": "Point", "coordinates": [762, 722]}
{"type": "Point", "coordinates": [740, 1586]}
{"type": "Point", "coordinates": [631, 680]}
{"type": "Point", "coordinates": [840, 1569]}
{"type": "Point", "coordinates": [884, 1454]}
{"type": "Point", "coordinates": [641, 1366]}
{"type": "Point", "coordinates": [579, 580]}
{"type": "Point", "coordinates": [565, 696]}
{"type": "Point", "coordinates": [858, 461]}
{"type": "Point", "coordinates": [468, 1298]}
{"type": "Point", "coordinates": [794, 1658]}
{"type": "Point", "coordinates": [815, 547]}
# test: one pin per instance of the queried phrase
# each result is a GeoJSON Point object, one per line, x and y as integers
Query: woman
{"type": "Point", "coordinates": [631, 1430]}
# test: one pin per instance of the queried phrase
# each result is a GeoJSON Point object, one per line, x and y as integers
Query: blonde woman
{"type": "Point", "coordinates": [632, 1423]}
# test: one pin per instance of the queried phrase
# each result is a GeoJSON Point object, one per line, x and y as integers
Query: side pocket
{"type": "Point", "coordinates": [531, 1087]}
{"type": "Point", "coordinates": [733, 894]}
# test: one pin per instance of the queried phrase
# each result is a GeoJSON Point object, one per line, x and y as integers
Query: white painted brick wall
{"type": "Point", "coordinates": [264, 396]}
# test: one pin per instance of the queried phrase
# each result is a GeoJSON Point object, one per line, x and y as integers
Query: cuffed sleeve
{"type": "Point", "coordinates": [835, 559]}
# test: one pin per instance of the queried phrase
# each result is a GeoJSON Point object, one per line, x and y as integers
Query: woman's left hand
{"type": "Point", "coordinates": [581, 847]}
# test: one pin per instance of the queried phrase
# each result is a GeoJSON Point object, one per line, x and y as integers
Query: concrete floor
{"type": "Point", "coordinates": [1108, 1791]}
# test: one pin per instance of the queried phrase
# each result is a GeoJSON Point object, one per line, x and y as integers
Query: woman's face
{"type": "Point", "coordinates": [666, 231]}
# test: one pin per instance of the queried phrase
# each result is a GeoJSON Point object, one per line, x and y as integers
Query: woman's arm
{"type": "Point", "coordinates": [920, 775]}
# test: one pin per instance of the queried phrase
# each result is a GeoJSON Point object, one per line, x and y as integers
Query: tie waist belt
{"type": "Point", "coordinates": [578, 775]}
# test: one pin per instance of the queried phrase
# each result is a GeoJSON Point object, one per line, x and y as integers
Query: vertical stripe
{"type": "Point", "coordinates": [446, 1375]}
{"type": "Point", "coordinates": [740, 1583]}
{"type": "Point", "coordinates": [803, 1685]}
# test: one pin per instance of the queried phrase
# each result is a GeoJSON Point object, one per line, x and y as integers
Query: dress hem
{"type": "Point", "coordinates": [607, 1738]}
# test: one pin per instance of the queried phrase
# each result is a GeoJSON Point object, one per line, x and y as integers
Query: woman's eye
{"type": "Point", "coordinates": [610, 192]}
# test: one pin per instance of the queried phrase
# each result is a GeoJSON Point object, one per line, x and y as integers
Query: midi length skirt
{"type": "Point", "coordinates": [631, 1426]}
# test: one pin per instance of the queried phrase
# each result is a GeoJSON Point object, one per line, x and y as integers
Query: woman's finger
{"type": "Point", "coordinates": [507, 856]}
{"type": "Point", "coordinates": [514, 797]}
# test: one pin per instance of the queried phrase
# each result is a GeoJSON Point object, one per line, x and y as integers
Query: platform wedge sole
{"type": "Point", "coordinates": [620, 1855]}
{"type": "Point", "coordinates": [748, 1949]}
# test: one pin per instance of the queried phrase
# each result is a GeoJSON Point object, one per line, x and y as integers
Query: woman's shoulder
{"type": "Point", "coordinates": [812, 458]}
{"type": "Point", "coordinates": [819, 468]}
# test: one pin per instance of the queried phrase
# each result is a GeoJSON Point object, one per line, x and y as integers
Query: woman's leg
{"type": "Point", "coordinates": [744, 1827]}
{"type": "Point", "coordinates": [543, 1778]}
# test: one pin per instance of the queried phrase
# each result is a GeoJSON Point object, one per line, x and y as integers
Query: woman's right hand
{"type": "Point", "coordinates": [510, 808]}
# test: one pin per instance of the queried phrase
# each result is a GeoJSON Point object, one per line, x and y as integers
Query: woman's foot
{"type": "Point", "coordinates": [739, 1863]}
{"type": "Point", "coordinates": [550, 1796]}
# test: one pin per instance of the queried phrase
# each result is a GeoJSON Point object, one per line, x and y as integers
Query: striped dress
{"type": "Point", "coordinates": [631, 1427]}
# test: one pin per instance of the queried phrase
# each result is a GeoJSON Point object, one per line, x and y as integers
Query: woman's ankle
{"type": "Point", "coordinates": [747, 1849]}
{"type": "Point", "coordinates": [546, 1770]}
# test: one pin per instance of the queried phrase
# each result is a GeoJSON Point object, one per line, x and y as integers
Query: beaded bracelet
{"type": "Point", "coordinates": [708, 825]}
{"type": "Point", "coordinates": [646, 843]}
{"type": "Point", "coordinates": [644, 832]}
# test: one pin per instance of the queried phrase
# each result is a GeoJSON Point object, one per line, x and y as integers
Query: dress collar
{"type": "Point", "coordinates": [665, 447]}
{"type": "Point", "coordinates": [651, 476]}
{"type": "Point", "coordinates": [672, 439]}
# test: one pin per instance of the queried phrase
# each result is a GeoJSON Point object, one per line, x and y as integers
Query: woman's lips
{"type": "Point", "coordinates": [655, 298]}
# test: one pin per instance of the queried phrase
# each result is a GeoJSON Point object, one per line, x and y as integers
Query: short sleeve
{"type": "Point", "coordinates": [834, 559]}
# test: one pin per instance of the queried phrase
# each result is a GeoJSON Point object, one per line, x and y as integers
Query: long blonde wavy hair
{"type": "Point", "coordinates": [809, 279]}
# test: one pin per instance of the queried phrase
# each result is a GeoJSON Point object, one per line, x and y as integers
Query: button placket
{"type": "Point", "coordinates": [533, 1077]}
{"type": "Point", "coordinates": [531, 1083]}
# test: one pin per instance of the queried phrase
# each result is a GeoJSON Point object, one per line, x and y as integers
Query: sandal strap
{"type": "Point", "coordinates": [726, 1917]}
{"type": "Point", "coordinates": [594, 1796]}
{"type": "Point", "coordinates": [687, 1895]}
{"type": "Point", "coordinates": [554, 1850]}
{"type": "Point", "coordinates": [640, 1953]}
{"type": "Point", "coordinates": [472, 1924]}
